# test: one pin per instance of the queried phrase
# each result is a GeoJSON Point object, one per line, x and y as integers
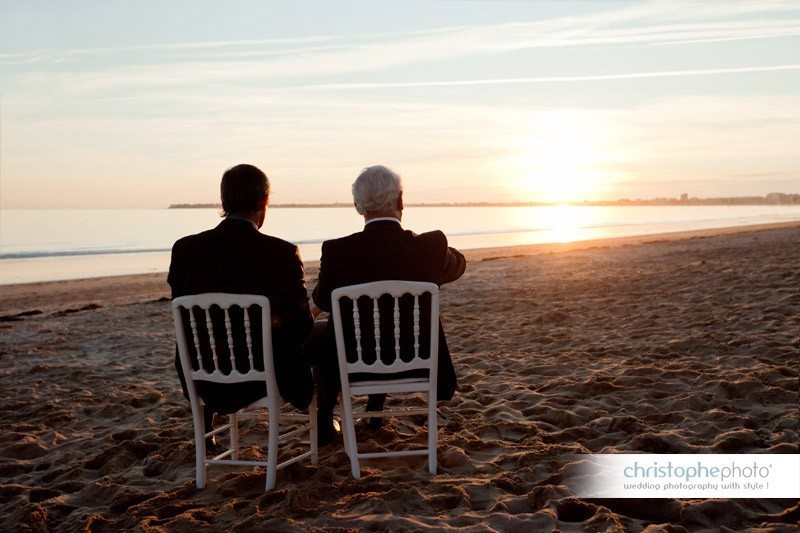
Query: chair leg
{"type": "Point", "coordinates": [199, 447]}
{"type": "Point", "coordinates": [344, 430]}
{"type": "Point", "coordinates": [350, 435]}
{"type": "Point", "coordinates": [272, 450]}
{"type": "Point", "coordinates": [312, 414]}
{"type": "Point", "coordinates": [433, 433]}
{"type": "Point", "coordinates": [234, 422]}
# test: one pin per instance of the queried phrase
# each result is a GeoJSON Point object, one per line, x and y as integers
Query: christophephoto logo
{"type": "Point", "coordinates": [753, 476]}
{"type": "Point", "coordinates": [689, 475]}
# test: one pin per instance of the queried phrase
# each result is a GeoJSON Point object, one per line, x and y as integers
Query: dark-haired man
{"type": "Point", "coordinates": [236, 258]}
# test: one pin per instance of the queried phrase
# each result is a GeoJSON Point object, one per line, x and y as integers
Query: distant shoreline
{"type": "Point", "coordinates": [770, 199]}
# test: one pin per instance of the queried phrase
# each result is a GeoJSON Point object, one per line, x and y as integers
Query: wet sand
{"type": "Point", "coordinates": [665, 343]}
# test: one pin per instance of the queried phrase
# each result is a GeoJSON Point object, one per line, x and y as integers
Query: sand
{"type": "Point", "coordinates": [671, 343]}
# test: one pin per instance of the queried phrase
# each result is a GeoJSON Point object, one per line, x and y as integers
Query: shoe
{"type": "Point", "coordinates": [208, 423]}
{"type": "Point", "coordinates": [328, 429]}
{"type": "Point", "coordinates": [375, 423]}
{"type": "Point", "coordinates": [213, 447]}
{"type": "Point", "coordinates": [375, 403]}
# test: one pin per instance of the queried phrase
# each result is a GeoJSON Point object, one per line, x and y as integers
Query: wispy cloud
{"type": "Point", "coordinates": [559, 79]}
{"type": "Point", "coordinates": [656, 23]}
{"type": "Point", "coordinates": [164, 47]}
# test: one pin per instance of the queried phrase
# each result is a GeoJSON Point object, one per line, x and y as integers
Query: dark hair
{"type": "Point", "coordinates": [243, 188]}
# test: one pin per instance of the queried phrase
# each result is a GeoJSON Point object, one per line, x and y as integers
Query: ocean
{"type": "Point", "coordinates": [48, 245]}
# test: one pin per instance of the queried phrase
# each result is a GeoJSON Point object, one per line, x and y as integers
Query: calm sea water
{"type": "Point", "coordinates": [42, 245]}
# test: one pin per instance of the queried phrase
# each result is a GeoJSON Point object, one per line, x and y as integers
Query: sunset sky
{"type": "Point", "coordinates": [144, 104]}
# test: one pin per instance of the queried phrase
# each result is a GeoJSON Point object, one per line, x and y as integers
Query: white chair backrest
{"type": "Point", "coordinates": [396, 289]}
{"type": "Point", "coordinates": [202, 328]}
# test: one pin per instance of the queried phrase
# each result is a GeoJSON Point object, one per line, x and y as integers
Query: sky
{"type": "Point", "coordinates": [112, 104]}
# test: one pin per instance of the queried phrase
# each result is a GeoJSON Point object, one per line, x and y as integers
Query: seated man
{"type": "Point", "coordinates": [236, 258]}
{"type": "Point", "coordinates": [383, 251]}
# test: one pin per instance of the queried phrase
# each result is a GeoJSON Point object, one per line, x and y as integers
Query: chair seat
{"type": "Point", "coordinates": [391, 386]}
{"type": "Point", "coordinates": [263, 402]}
{"type": "Point", "coordinates": [401, 381]}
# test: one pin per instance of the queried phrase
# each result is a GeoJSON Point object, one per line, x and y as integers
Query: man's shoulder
{"type": "Point", "coordinates": [255, 239]}
{"type": "Point", "coordinates": [429, 239]}
{"type": "Point", "coordinates": [433, 238]}
{"type": "Point", "coordinates": [342, 242]}
{"type": "Point", "coordinates": [189, 240]}
{"type": "Point", "coordinates": [276, 243]}
{"type": "Point", "coordinates": [200, 236]}
{"type": "Point", "coordinates": [267, 245]}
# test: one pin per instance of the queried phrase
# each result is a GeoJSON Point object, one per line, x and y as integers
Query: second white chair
{"type": "Point", "coordinates": [412, 368]}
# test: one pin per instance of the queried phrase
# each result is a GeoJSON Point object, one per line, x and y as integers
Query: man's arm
{"type": "Point", "coordinates": [174, 276]}
{"type": "Point", "coordinates": [322, 292]}
{"type": "Point", "coordinates": [296, 315]}
{"type": "Point", "coordinates": [454, 264]}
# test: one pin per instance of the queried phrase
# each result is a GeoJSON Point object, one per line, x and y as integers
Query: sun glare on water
{"type": "Point", "coordinates": [558, 223]}
{"type": "Point", "coordinates": [567, 157]}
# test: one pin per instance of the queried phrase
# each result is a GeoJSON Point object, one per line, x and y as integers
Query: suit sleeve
{"type": "Point", "coordinates": [297, 321]}
{"type": "Point", "coordinates": [175, 269]}
{"type": "Point", "coordinates": [322, 292]}
{"type": "Point", "coordinates": [454, 264]}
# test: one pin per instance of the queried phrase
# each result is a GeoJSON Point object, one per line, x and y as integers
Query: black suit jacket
{"type": "Point", "coordinates": [236, 258]}
{"type": "Point", "coordinates": [385, 251]}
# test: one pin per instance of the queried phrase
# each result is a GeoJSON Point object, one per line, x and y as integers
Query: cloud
{"type": "Point", "coordinates": [655, 23]}
{"type": "Point", "coordinates": [559, 79]}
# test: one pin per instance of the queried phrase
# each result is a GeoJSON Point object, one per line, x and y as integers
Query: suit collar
{"type": "Point", "coordinates": [237, 223]}
{"type": "Point", "coordinates": [382, 225]}
{"type": "Point", "coordinates": [379, 219]}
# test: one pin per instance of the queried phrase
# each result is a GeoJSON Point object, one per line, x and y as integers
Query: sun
{"type": "Point", "coordinates": [566, 156]}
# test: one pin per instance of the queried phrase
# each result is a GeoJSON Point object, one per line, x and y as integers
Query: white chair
{"type": "Point", "coordinates": [225, 371]}
{"type": "Point", "coordinates": [372, 344]}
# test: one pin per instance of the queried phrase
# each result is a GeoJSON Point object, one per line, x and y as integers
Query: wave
{"type": "Point", "coordinates": [69, 253]}
{"type": "Point", "coordinates": [34, 254]}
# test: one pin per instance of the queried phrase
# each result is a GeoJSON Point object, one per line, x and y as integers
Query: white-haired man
{"type": "Point", "coordinates": [383, 250]}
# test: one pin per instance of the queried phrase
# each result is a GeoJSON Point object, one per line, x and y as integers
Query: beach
{"type": "Point", "coordinates": [673, 343]}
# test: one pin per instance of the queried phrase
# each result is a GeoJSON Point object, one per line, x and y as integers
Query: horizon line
{"type": "Point", "coordinates": [722, 200]}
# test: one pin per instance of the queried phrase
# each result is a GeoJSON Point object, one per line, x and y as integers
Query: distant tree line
{"type": "Point", "coordinates": [773, 198]}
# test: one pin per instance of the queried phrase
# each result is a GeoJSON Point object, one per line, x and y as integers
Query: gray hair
{"type": "Point", "coordinates": [376, 191]}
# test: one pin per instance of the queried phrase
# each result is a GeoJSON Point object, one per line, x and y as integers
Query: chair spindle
{"type": "Point", "coordinates": [376, 318]}
{"type": "Point", "coordinates": [416, 325]}
{"type": "Point", "coordinates": [230, 338]}
{"type": "Point", "coordinates": [194, 335]}
{"type": "Point", "coordinates": [396, 328]}
{"type": "Point", "coordinates": [248, 338]}
{"type": "Point", "coordinates": [211, 340]}
{"type": "Point", "coordinates": [357, 324]}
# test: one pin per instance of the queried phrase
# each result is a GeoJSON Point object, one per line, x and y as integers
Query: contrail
{"type": "Point", "coordinates": [555, 79]}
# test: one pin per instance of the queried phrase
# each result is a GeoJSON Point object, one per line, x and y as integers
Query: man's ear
{"type": "Point", "coordinates": [400, 201]}
{"type": "Point", "coordinates": [263, 204]}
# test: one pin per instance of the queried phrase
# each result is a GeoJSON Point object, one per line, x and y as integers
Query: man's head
{"type": "Point", "coordinates": [378, 192]}
{"type": "Point", "coordinates": [245, 193]}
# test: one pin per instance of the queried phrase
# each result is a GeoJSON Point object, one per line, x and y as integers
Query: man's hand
{"type": "Point", "coordinates": [315, 312]}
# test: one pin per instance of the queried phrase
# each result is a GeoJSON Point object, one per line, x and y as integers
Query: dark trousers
{"type": "Point", "coordinates": [322, 352]}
